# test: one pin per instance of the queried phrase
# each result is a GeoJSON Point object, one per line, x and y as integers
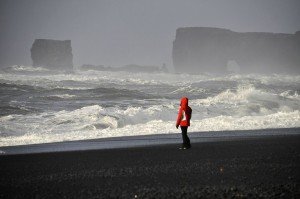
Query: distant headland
{"type": "Point", "coordinates": [216, 50]}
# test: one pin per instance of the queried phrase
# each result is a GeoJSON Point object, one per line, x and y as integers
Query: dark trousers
{"type": "Point", "coordinates": [185, 138]}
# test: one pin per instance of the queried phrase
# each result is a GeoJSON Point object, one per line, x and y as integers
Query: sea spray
{"type": "Point", "coordinates": [96, 104]}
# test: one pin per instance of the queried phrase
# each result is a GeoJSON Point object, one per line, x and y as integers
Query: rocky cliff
{"type": "Point", "coordinates": [52, 54]}
{"type": "Point", "coordinates": [201, 49]}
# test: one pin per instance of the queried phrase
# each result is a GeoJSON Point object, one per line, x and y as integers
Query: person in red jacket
{"type": "Point", "coordinates": [183, 120]}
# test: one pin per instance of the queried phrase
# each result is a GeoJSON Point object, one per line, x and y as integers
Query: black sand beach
{"type": "Point", "coordinates": [262, 167]}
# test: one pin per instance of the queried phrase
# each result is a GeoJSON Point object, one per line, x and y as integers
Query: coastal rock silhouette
{"type": "Point", "coordinates": [216, 50]}
{"type": "Point", "coordinates": [52, 54]}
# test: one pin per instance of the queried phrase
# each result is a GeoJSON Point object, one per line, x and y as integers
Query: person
{"type": "Point", "coordinates": [183, 120]}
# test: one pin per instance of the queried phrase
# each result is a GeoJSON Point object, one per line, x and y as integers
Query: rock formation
{"type": "Point", "coordinates": [201, 49]}
{"type": "Point", "coordinates": [52, 54]}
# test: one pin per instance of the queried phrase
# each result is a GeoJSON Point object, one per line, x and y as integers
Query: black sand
{"type": "Point", "coordinates": [265, 167]}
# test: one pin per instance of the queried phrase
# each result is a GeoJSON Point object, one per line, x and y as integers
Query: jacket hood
{"type": "Point", "coordinates": [184, 102]}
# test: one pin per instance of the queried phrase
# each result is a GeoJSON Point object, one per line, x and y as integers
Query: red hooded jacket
{"type": "Point", "coordinates": [184, 113]}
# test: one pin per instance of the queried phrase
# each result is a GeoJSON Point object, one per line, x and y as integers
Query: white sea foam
{"type": "Point", "coordinates": [275, 79]}
{"type": "Point", "coordinates": [220, 123]}
{"type": "Point", "coordinates": [92, 79]}
{"type": "Point", "coordinates": [21, 68]}
{"type": "Point", "coordinates": [90, 131]}
{"type": "Point", "coordinates": [245, 102]}
{"type": "Point", "coordinates": [98, 122]}
{"type": "Point", "coordinates": [290, 94]}
{"type": "Point", "coordinates": [63, 96]}
{"type": "Point", "coordinates": [248, 95]}
{"type": "Point", "coordinates": [188, 89]}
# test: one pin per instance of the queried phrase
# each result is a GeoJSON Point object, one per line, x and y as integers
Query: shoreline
{"type": "Point", "coordinates": [145, 140]}
{"type": "Point", "coordinates": [260, 167]}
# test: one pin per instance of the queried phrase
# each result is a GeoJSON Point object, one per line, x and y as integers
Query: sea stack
{"type": "Point", "coordinates": [216, 50]}
{"type": "Point", "coordinates": [52, 54]}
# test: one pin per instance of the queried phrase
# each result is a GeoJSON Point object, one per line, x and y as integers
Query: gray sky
{"type": "Point", "coordinates": [119, 32]}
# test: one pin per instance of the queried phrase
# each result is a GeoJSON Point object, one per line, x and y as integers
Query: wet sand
{"type": "Point", "coordinates": [262, 167]}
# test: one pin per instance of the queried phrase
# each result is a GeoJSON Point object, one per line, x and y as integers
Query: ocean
{"type": "Point", "coordinates": [38, 107]}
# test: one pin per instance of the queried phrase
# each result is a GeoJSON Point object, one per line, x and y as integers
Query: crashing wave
{"type": "Point", "coordinates": [20, 68]}
{"type": "Point", "coordinates": [85, 105]}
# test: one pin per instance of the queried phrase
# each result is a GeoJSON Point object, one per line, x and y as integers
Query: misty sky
{"type": "Point", "coordinates": [120, 32]}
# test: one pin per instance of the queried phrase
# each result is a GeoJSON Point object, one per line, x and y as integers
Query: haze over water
{"type": "Point", "coordinates": [39, 108]}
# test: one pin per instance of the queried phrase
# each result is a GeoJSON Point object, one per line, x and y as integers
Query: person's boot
{"type": "Point", "coordinates": [184, 147]}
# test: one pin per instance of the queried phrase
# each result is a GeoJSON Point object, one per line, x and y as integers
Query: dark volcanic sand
{"type": "Point", "coordinates": [255, 168]}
